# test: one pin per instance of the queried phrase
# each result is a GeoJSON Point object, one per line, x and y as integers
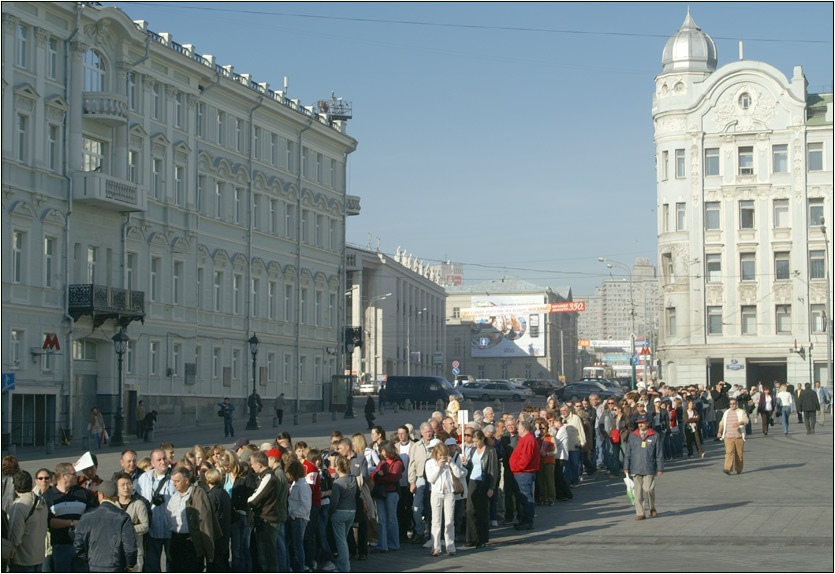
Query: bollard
{"type": "Point", "coordinates": [149, 435]}
{"type": "Point", "coordinates": [396, 410]}
{"type": "Point", "coordinates": [50, 447]}
{"type": "Point", "coordinates": [275, 422]}
{"type": "Point", "coordinates": [333, 415]}
{"type": "Point", "coordinates": [295, 420]}
{"type": "Point", "coordinates": [382, 408]}
{"type": "Point", "coordinates": [315, 417]}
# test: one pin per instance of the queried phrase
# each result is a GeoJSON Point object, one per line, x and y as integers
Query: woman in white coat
{"type": "Point", "coordinates": [440, 470]}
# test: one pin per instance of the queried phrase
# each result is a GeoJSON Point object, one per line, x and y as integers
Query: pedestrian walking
{"type": "Point", "coordinates": [279, 406]}
{"type": "Point", "coordinates": [369, 412]}
{"type": "Point", "coordinates": [824, 397]}
{"type": "Point", "coordinates": [95, 427]}
{"type": "Point", "coordinates": [732, 431]}
{"type": "Point", "coordinates": [227, 410]}
{"type": "Point", "coordinates": [809, 404]}
{"type": "Point", "coordinates": [643, 460]}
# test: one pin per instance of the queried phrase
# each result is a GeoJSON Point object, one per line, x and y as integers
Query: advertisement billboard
{"type": "Point", "coordinates": [507, 326]}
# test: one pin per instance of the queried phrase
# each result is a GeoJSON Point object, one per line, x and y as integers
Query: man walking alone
{"type": "Point", "coordinates": [643, 460]}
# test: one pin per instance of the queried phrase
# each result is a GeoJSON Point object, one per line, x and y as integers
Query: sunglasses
{"type": "Point", "coordinates": [465, 434]}
{"type": "Point", "coordinates": [42, 478]}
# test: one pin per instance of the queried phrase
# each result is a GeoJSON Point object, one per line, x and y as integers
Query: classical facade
{"type": "Point", "coordinates": [151, 189]}
{"type": "Point", "coordinates": [744, 157]}
{"type": "Point", "coordinates": [398, 305]}
{"type": "Point", "coordinates": [499, 329]}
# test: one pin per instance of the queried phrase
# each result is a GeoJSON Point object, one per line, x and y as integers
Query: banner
{"type": "Point", "coordinates": [508, 326]}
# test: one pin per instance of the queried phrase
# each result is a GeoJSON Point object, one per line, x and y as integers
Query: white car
{"type": "Point", "coordinates": [370, 388]}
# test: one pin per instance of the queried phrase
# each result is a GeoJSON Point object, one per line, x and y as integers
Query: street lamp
{"type": "Point", "coordinates": [252, 424]}
{"type": "Point", "coordinates": [611, 265]}
{"type": "Point", "coordinates": [120, 344]}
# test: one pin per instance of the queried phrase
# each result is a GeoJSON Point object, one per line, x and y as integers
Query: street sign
{"type": "Point", "coordinates": [455, 364]}
{"type": "Point", "coordinates": [8, 381]}
{"type": "Point", "coordinates": [635, 360]}
{"type": "Point", "coordinates": [456, 372]}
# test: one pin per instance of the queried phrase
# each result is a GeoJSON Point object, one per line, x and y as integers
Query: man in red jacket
{"type": "Point", "coordinates": [524, 462]}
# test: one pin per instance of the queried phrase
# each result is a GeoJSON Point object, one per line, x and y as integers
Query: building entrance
{"type": "Point", "coordinates": [33, 419]}
{"type": "Point", "coordinates": [766, 371]}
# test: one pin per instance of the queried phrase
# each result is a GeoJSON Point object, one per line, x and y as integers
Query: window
{"type": "Point", "coordinates": [815, 211]}
{"type": "Point", "coordinates": [14, 348]}
{"type": "Point", "coordinates": [177, 283]}
{"type": "Point", "coordinates": [746, 214]}
{"type": "Point", "coordinates": [817, 315]}
{"type": "Point", "coordinates": [202, 186]}
{"type": "Point", "coordinates": [748, 266]}
{"type": "Point", "coordinates": [218, 291]}
{"type": "Point", "coordinates": [303, 304]}
{"type": "Point", "coordinates": [92, 260]}
{"type": "Point", "coordinates": [130, 350]}
{"type": "Point", "coordinates": [256, 144]}
{"type": "Point", "coordinates": [131, 90]}
{"type": "Point", "coordinates": [53, 147]}
{"type": "Point", "coordinates": [22, 126]}
{"type": "Point", "coordinates": [52, 58]}
{"type": "Point", "coordinates": [320, 228]}
{"type": "Point", "coordinates": [176, 354]}
{"type": "Point", "coordinates": [713, 267]}
{"type": "Point", "coordinates": [332, 234]}
{"type": "Point", "coordinates": [179, 185]}
{"type": "Point", "coordinates": [333, 173]}
{"type": "Point", "coordinates": [714, 320]}
{"type": "Point", "coordinates": [712, 213]}
{"type": "Point", "coordinates": [289, 215]}
{"type": "Point", "coordinates": [291, 154]}
{"type": "Point", "coordinates": [667, 267]}
{"type": "Point", "coordinates": [681, 216]}
{"type": "Point", "coordinates": [236, 359]}
{"type": "Point", "coordinates": [665, 160]}
{"type": "Point", "coordinates": [133, 166]}
{"type": "Point", "coordinates": [288, 303]}
{"type": "Point", "coordinates": [815, 158]}
{"type": "Point", "coordinates": [665, 217]}
{"type": "Point", "coordinates": [237, 285]}
{"type": "Point", "coordinates": [817, 264]}
{"type": "Point", "coordinates": [781, 265]}
{"type": "Point", "coordinates": [332, 311]}
{"type": "Point", "coordinates": [480, 371]}
{"type": "Point", "coordinates": [46, 357]}
{"type": "Point", "coordinates": [746, 160]}
{"type": "Point", "coordinates": [255, 291]}
{"type": "Point", "coordinates": [271, 367]}
{"type": "Point", "coordinates": [93, 72]}
{"type": "Point", "coordinates": [178, 110]}
{"type": "Point", "coordinates": [745, 101]}
{"type": "Point", "coordinates": [130, 271]}
{"type": "Point", "coordinates": [319, 166]}
{"type": "Point", "coordinates": [271, 299]}
{"type": "Point", "coordinates": [712, 161]}
{"type": "Point", "coordinates": [239, 198]}
{"type": "Point", "coordinates": [48, 261]}
{"type": "Point", "coordinates": [155, 269]}
{"type": "Point", "coordinates": [317, 309]}
{"type": "Point", "coordinates": [748, 315]}
{"type": "Point", "coordinates": [156, 179]}
{"type": "Point", "coordinates": [218, 199]}
{"type": "Point", "coordinates": [780, 158]}
{"type": "Point", "coordinates": [84, 350]}
{"type": "Point", "coordinates": [680, 164]}
{"type": "Point", "coordinates": [221, 119]}
{"type": "Point", "coordinates": [305, 169]}
{"type": "Point", "coordinates": [200, 273]}
{"type": "Point", "coordinates": [22, 45]}
{"type": "Point", "coordinates": [18, 245]}
{"type": "Point", "coordinates": [456, 312]}
{"type": "Point", "coordinates": [273, 216]}
{"type": "Point", "coordinates": [303, 369]}
{"type": "Point", "coordinates": [274, 149]}
{"type": "Point", "coordinates": [784, 319]}
{"type": "Point", "coordinates": [256, 210]}
{"type": "Point", "coordinates": [198, 354]}
{"type": "Point", "coordinates": [239, 135]}
{"type": "Point", "coordinates": [201, 116]}
{"type": "Point", "coordinates": [156, 103]}
{"type": "Point", "coordinates": [92, 154]}
{"type": "Point", "coordinates": [288, 368]}
{"type": "Point", "coordinates": [154, 357]}
{"type": "Point", "coordinates": [671, 320]}
{"type": "Point", "coordinates": [781, 214]}
{"type": "Point", "coordinates": [216, 359]}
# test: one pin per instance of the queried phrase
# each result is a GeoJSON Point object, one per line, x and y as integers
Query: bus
{"type": "Point", "coordinates": [598, 372]}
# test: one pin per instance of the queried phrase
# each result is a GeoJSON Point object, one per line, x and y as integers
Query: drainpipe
{"type": "Point", "coordinates": [299, 267]}
{"type": "Point", "coordinates": [251, 224]}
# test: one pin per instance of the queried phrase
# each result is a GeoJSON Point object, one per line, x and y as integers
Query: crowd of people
{"type": "Point", "coordinates": [285, 506]}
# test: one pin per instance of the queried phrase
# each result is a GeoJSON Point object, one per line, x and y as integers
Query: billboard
{"type": "Point", "coordinates": [507, 326]}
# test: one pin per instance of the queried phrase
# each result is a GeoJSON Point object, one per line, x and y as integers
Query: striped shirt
{"type": "Point", "coordinates": [732, 425]}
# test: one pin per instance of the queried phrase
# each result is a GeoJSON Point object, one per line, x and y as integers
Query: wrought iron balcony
{"type": "Point", "coordinates": [109, 109]}
{"type": "Point", "coordinates": [103, 303]}
{"type": "Point", "coordinates": [108, 192]}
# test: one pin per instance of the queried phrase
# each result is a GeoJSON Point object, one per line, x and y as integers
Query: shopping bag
{"type": "Point", "coordinates": [630, 489]}
{"type": "Point", "coordinates": [105, 437]}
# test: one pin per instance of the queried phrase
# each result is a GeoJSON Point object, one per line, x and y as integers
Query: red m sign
{"type": "Point", "coordinates": [50, 342]}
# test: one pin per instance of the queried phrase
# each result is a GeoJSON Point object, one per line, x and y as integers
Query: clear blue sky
{"type": "Point", "coordinates": [513, 138]}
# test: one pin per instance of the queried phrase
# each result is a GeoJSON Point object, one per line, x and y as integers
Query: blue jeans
{"type": "Point", "coordinates": [341, 522]}
{"type": "Point", "coordinates": [525, 480]}
{"type": "Point", "coordinates": [786, 414]}
{"type": "Point", "coordinates": [228, 429]}
{"type": "Point", "coordinates": [296, 528]}
{"type": "Point", "coordinates": [309, 542]}
{"type": "Point", "coordinates": [281, 548]}
{"type": "Point", "coordinates": [266, 535]}
{"type": "Point", "coordinates": [324, 548]}
{"type": "Point", "coordinates": [388, 531]}
{"type": "Point", "coordinates": [153, 555]}
{"type": "Point", "coordinates": [240, 535]}
{"type": "Point", "coordinates": [574, 460]}
{"type": "Point", "coordinates": [417, 510]}
{"type": "Point", "coordinates": [96, 436]}
{"type": "Point", "coordinates": [62, 558]}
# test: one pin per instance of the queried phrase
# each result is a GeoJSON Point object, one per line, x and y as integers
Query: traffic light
{"type": "Point", "coordinates": [353, 338]}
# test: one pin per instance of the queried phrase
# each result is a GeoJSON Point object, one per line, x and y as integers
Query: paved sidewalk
{"type": "Point", "coordinates": [777, 516]}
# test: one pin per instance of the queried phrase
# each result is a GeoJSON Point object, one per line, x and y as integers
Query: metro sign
{"type": "Point", "coordinates": [50, 342]}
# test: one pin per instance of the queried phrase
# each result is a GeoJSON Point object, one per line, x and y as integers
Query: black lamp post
{"type": "Point", "coordinates": [120, 343]}
{"type": "Point", "coordinates": [252, 424]}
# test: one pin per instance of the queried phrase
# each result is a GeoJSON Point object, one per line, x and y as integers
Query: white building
{"type": "Point", "coordinates": [399, 306]}
{"type": "Point", "coordinates": [149, 188]}
{"type": "Point", "coordinates": [744, 157]}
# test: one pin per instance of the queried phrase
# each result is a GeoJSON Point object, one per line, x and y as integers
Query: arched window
{"type": "Point", "coordinates": [94, 72]}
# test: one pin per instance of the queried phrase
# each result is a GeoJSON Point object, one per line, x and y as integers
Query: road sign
{"type": "Point", "coordinates": [634, 360]}
{"type": "Point", "coordinates": [484, 341]}
{"type": "Point", "coordinates": [8, 381]}
{"type": "Point", "coordinates": [456, 372]}
{"type": "Point", "coordinates": [455, 364]}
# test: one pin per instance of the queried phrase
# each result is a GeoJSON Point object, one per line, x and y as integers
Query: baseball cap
{"type": "Point", "coordinates": [642, 419]}
{"type": "Point", "coordinates": [107, 488]}
{"type": "Point", "coordinates": [451, 442]}
{"type": "Point", "coordinates": [433, 442]}
{"type": "Point", "coordinates": [241, 442]}
{"type": "Point", "coordinates": [657, 400]}
{"type": "Point", "coordinates": [273, 453]}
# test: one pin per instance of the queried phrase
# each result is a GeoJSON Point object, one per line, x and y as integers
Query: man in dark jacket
{"type": "Point", "coordinates": [808, 403]}
{"type": "Point", "coordinates": [264, 503]}
{"type": "Point", "coordinates": [105, 538]}
{"type": "Point", "coordinates": [643, 460]}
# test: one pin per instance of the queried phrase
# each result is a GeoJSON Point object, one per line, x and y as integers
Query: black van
{"type": "Point", "coordinates": [400, 389]}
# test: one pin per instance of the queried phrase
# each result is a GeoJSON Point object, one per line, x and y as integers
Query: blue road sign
{"type": "Point", "coordinates": [456, 371]}
{"type": "Point", "coordinates": [8, 381]}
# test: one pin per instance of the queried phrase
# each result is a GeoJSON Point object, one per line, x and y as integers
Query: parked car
{"type": "Point", "coordinates": [370, 388]}
{"type": "Point", "coordinates": [420, 389]}
{"type": "Point", "coordinates": [540, 387]}
{"type": "Point", "coordinates": [461, 379]}
{"type": "Point", "coordinates": [490, 390]}
{"type": "Point", "coordinates": [582, 389]}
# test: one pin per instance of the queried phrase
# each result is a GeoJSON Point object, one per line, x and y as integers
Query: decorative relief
{"type": "Point", "coordinates": [748, 291]}
{"type": "Point", "coordinates": [41, 36]}
{"type": "Point", "coordinates": [9, 23]}
{"type": "Point", "coordinates": [761, 109]}
{"type": "Point", "coordinates": [670, 125]}
{"type": "Point", "coordinates": [78, 49]}
{"type": "Point", "coordinates": [714, 294]}
{"type": "Point", "coordinates": [783, 293]}
{"type": "Point", "coordinates": [99, 32]}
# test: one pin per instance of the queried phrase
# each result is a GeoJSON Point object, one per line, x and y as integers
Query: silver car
{"type": "Point", "coordinates": [490, 390]}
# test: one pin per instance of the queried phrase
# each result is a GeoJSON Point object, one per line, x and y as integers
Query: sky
{"type": "Point", "coordinates": [514, 138]}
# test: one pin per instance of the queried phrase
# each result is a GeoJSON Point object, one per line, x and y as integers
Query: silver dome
{"type": "Point", "coordinates": [689, 50]}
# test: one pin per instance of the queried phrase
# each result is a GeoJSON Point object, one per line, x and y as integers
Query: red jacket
{"type": "Point", "coordinates": [388, 472]}
{"type": "Point", "coordinates": [525, 457]}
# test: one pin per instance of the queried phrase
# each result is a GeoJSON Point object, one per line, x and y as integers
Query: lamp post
{"type": "Point", "coordinates": [611, 265]}
{"type": "Point", "coordinates": [252, 424]}
{"type": "Point", "coordinates": [120, 344]}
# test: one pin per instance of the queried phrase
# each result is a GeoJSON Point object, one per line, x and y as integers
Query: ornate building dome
{"type": "Point", "coordinates": [689, 50]}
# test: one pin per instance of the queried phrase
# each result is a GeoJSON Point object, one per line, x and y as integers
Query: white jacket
{"type": "Point", "coordinates": [441, 476]}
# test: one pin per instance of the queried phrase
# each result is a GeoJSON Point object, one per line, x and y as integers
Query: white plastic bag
{"type": "Point", "coordinates": [630, 489]}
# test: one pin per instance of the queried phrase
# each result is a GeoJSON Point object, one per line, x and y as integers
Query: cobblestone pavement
{"type": "Point", "coordinates": [776, 516]}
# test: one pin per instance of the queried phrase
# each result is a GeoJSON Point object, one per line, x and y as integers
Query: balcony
{"type": "Point", "coordinates": [109, 109]}
{"type": "Point", "coordinates": [352, 205]}
{"type": "Point", "coordinates": [108, 192]}
{"type": "Point", "coordinates": [103, 303]}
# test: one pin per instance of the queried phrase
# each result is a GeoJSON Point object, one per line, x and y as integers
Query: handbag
{"type": "Point", "coordinates": [614, 436]}
{"type": "Point", "coordinates": [457, 487]}
{"type": "Point", "coordinates": [220, 412]}
{"type": "Point", "coordinates": [379, 490]}
{"type": "Point", "coordinates": [630, 489]}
